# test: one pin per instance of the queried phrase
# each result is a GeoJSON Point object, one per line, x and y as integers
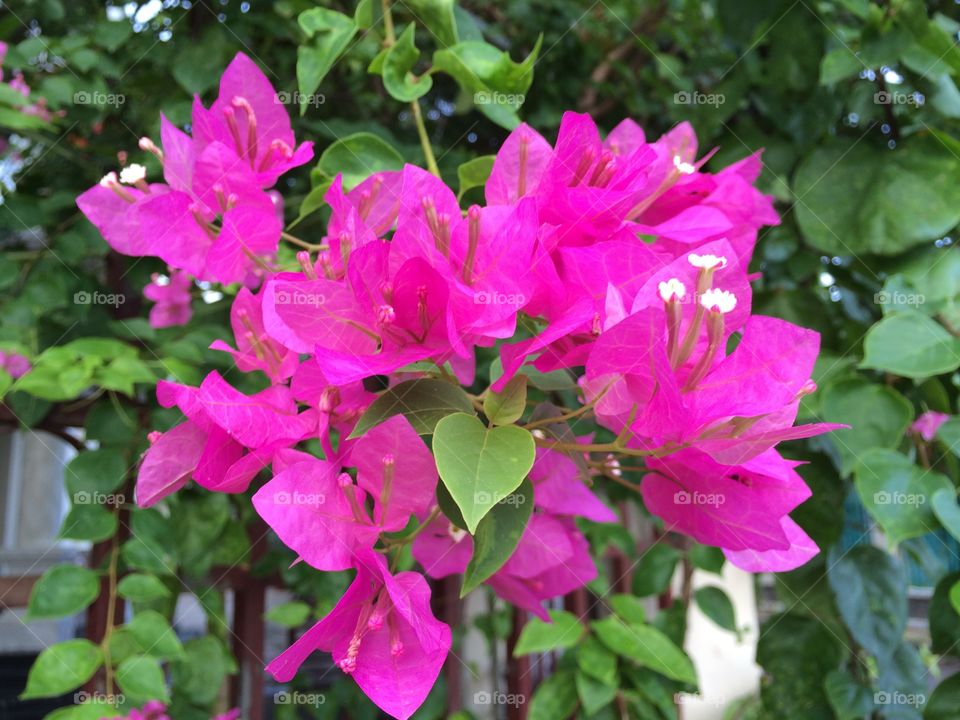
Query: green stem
{"type": "Point", "coordinates": [424, 138]}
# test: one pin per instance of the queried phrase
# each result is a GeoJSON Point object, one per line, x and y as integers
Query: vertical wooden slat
{"type": "Point", "coordinates": [519, 680]}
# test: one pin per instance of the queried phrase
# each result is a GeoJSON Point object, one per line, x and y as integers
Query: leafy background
{"type": "Point", "coordinates": [857, 107]}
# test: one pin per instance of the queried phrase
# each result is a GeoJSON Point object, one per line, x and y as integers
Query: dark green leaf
{"type": "Point", "coordinates": [498, 535]}
{"type": "Point", "coordinates": [424, 402]}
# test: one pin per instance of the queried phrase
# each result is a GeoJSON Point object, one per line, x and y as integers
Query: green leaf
{"type": "Point", "coordinates": [893, 199]}
{"type": "Point", "coordinates": [596, 660]}
{"type": "Point", "coordinates": [944, 701]}
{"type": "Point", "coordinates": [944, 503]}
{"type": "Point", "coordinates": [955, 597]}
{"type": "Point", "coordinates": [943, 618]}
{"type": "Point", "coordinates": [291, 614]}
{"type": "Point", "coordinates": [155, 636]}
{"type": "Point", "coordinates": [498, 535]}
{"type": "Point", "coordinates": [898, 493]}
{"type": "Point", "coordinates": [849, 699]}
{"type": "Point", "coordinates": [646, 646]}
{"type": "Point", "coordinates": [480, 466]}
{"type": "Point", "coordinates": [506, 407]}
{"type": "Point", "coordinates": [89, 522]}
{"type": "Point", "coordinates": [329, 34]}
{"type": "Point", "coordinates": [141, 678]}
{"type": "Point", "coordinates": [473, 174]}
{"type": "Point", "coordinates": [655, 569]}
{"type": "Point", "coordinates": [397, 69]}
{"type": "Point", "coordinates": [86, 711]}
{"type": "Point", "coordinates": [949, 433]}
{"type": "Point", "coordinates": [715, 604]}
{"type": "Point", "coordinates": [878, 417]}
{"type": "Point", "coordinates": [438, 17]}
{"type": "Point", "coordinates": [708, 558]}
{"type": "Point", "coordinates": [563, 631]}
{"type": "Point", "coordinates": [839, 64]}
{"type": "Point", "coordinates": [63, 590]}
{"type": "Point", "coordinates": [555, 697]}
{"type": "Point", "coordinates": [94, 473]}
{"type": "Point", "coordinates": [424, 402]}
{"type": "Point", "coordinates": [871, 594]}
{"type": "Point", "coordinates": [140, 587]}
{"type": "Point", "coordinates": [911, 345]}
{"type": "Point", "coordinates": [629, 608]}
{"type": "Point", "coordinates": [357, 157]}
{"type": "Point", "coordinates": [200, 675]}
{"type": "Point", "coordinates": [594, 695]}
{"type": "Point", "coordinates": [61, 668]}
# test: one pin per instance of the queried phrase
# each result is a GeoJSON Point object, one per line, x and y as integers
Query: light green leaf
{"type": "Point", "coordinates": [646, 646]}
{"type": "Point", "coordinates": [898, 493]}
{"type": "Point", "coordinates": [438, 17]}
{"type": "Point", "coordinates": [140, 587]}
{"type": "Point", "coordinates": [596, 660]}
{"type": "Point", "coordinates": [629, 608]}
{"type": "Point", "coordinates": [655, 569]}
{"type": "Point", "coordinates": [893, 200]}
{"type": "Point", "coordinates": [155, 636]}
{"type": "Point", "coordinates": [474, 173]}
{"type": "Point", "coordinates": [329, 34]}
{"type": "Point", "coordinates": [63, 590]}
{"type": "Point", "coordinates": [481, 466]}
{"type": "Point", "coordinates": [357, 157]}
{"type": "Point", "coordinates": [397, 69]}
{"type": "Point", "coordinates": [94, 473]}
{"type": "Point", "coordinates": [955, 597]}
{"type": "Point", "coordinates": [424, 402]}
{"type": "Point", "coordinates": [944, 502]}
{"type": "Point", "coordinates": [555, 697]}
{"type": "Point", "coordinates": [141, 678]}
{"type": "Point", "coordinates": [563, 631]}
{"type": "Point", "coordinates": [89, 522]}
{"type": "Point", "coordinates": [594, 695]}
{"type": "Point", "coordinates": [912, 345]}
{"type": "Point", "coordinates": [498, 535]}
{"type": "Point", "coordinates": [506, 407]}
{"type": "Point", "coordinates": [61, 668]}
{"type": "Point", "coordinates": [292, 614]}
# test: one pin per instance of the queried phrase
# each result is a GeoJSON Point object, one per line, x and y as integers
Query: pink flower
{"type": "Point", "coordinates": [172, 298]}
{"type": "Point", "coordinates": [927, 425]}
{"type": "Point", "coordinates": [15, 364]}
{"type": "Point", "coordinates": [383, 634]}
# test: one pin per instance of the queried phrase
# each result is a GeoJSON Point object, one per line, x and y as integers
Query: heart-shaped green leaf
{"type": "Point", "coordinates": [479, 465]}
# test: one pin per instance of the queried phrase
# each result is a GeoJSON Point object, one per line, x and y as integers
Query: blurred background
{"type": "Point", "coordinates": [856, 107]}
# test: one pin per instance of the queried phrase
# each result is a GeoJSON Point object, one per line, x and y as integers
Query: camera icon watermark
{"type": "Point", "coordinates": [696, 97]}
{"type": "Point", "coordinates": [883, 697]}
{"type": "Point", "coordinates": [299, 498]}
{"type": "Point", "coordinates": [883, 497]}
{"type": "Point", "coordinates": [294, 697]}
{"type": "Point", "coordinates": [100, 99]}
{"type": "Point", "coordinates": [84, 297]}
{"type": "Point", "coordinates": [98, 698]}
{"type": "Point", "coordinates": [484, 697]}
{"type": "Point", "coordinates": [885, 97]}
{"type": "Point", "coordinates": [897, 298]}
{"type": "Point", "coordinates": [83, 497]}
{"type": "Point", "coordinates": [685, 497]}
{"type": "Point", "coordinates": [490, 297]}
{"type": "Point", "coordinates": [487, 97]}
{"type": "Point", "coordinates": [299, 297]}
{"type": "Point", "coordinates": [298, 98]}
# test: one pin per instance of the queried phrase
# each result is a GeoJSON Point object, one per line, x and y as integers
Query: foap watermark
{"type": "Point", "coordinates": [98, 698]}
{"type": "Point", "coordinates": [486, 498]}
{"type": "Point", "coordinates": [295, 697]}
{"type": "Point", "coordinates": [696, 97]}
{"type": "Point", "coordinates": [100, 99]}
{"type": "Point", "coordinates": [686, 698]}
{"type": "Point", "coordinates": [83, 497]}
{"type": "Point", "coordinates": [299, 297]}
{"type": "Point", "coordinates": [483, 697]}
{"type": "Point", "coordinates": [886, 97]}
{"type": "Point", "coordinates": [298, 98]}
{"type": "Point", "coordinates": [685, 497]}
{"type": "Point", "coordinates": [84, 297]}
{"type": "Point", "coordinates": [883, 497]}
{"type": "Point", "coordinates": [882, 697]}
{"type": "Point", "coordinates": [895, 297]}
{"type": "Point", "coordinates": [486, 97]}
{"type": "Point", "coordinates": [299, 498]}
{"type": "Point", "coordinates": [490, 297]}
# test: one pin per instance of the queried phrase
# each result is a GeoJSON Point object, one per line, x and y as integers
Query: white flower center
{"type": "Point", "coordinates": [707, 261]}
{"type": "Point", "coordinates": [684, 168]}
{"type": "Point", "coordinates": [671, 289]}
{"type": "Point", "coordinates": [132, 174]}
{"type": "Point", "coordinates": [722, 301]}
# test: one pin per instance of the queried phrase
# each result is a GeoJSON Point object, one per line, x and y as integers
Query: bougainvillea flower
{"type": "Point", "coordinates": [255, 349]}
{"type": "Point", "coordinates": [927, 425]}
{"type": "Point", "coordinates": [14, 364]}
{"type": "Point", "coordinates": [248, 117]}
{"type": "Point", "coordinates": [172, 298]}
{"type": "Point", "coordinates": [383, 634]}
{"type": "Point", "coordinates": [559, 489]}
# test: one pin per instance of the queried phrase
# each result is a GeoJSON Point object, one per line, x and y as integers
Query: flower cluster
{"type": "Point", "coordinates": [627, 264]}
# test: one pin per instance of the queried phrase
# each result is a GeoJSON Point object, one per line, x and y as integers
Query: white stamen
{"type": "Point", "coordinates": [722, 301]}
{"type": "Point", "coordinates": [671, 289]}
{"type": "Point", "coordinates": [133, 174]}
{"type": "Point", "coordinates": [707, 261]}
{"type": "Point", "coordinates": [684, 168]}
{"type": "Point", "coordinates": [109, 179]}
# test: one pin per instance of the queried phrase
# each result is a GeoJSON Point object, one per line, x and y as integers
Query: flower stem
{"type": "Point", "coordinates": [424, 138]}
